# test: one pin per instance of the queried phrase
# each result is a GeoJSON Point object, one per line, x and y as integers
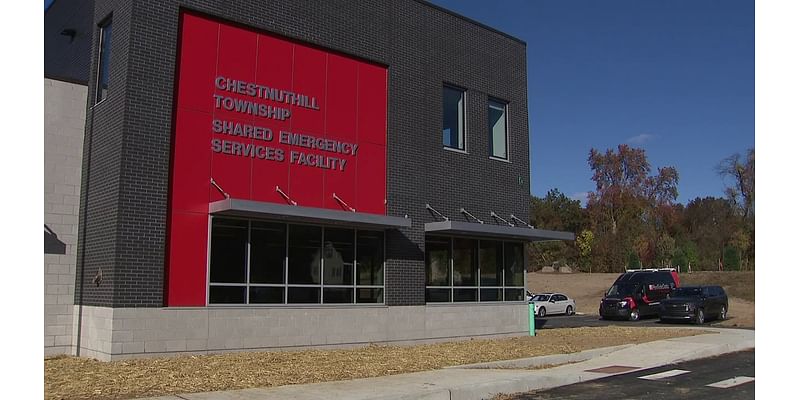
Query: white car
{"type": "Point", "coordinates": [552, 303]}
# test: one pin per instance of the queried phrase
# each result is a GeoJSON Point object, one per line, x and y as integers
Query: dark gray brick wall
{"type": "Point", "coordinates": [99, 223]}
{"type": "Point", "coordinates": [423, 46]}
{"type": "Point", "coordinates": [67, 58]}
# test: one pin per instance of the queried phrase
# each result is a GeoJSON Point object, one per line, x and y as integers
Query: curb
{"type": "Point", "coordinates": [539, 361]}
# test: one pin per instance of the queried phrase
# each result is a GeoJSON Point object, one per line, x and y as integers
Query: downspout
{"type": "Point", "coordinates": [83, 224]}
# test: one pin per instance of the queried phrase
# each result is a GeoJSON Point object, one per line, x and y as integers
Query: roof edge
{"type": "Point", "coordinates": [472, 21]}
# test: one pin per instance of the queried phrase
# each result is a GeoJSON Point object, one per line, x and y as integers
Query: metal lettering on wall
{"type": "Point", "coordinates": [265, 134]}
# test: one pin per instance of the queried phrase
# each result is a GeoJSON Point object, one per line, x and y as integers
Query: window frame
{"type": "Point", "coordinates": [505, 104]}
{"type": "Point", "coordinates": [103, 27]}
{"type": "Point", "coordinates": [463, 134]}
{"type": "Point", "coordinates": [355, 286]}
{"type": "Point", "coordinates": [501, 286]}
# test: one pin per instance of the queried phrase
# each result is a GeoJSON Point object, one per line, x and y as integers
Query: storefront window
{"type": "Point", "coordinates": [268, 252]}
{"type": "Point", "coordinates": [370, 258]}
{"type": "Point", "coordinates": [260, 262]}
{"type": "Point", "coordinates": [481, 270]}
{"type": "Point", "coordinates": [339, 253]}
{"type": "Point", "coordinates": [491, 259]}
{"type": "Point", "coordinates": [305, 245]}
{"type": "Point", "coordinates": [369, 263]}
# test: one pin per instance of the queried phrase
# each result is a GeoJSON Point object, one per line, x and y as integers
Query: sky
{"type": "Point", "coordinates": [673, 77]}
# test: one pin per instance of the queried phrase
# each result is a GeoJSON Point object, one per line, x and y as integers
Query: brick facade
{"type": "Point", "coordinates": [126, 174]}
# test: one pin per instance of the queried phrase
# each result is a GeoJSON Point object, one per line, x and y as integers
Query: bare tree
{"type": "Point", "coordinates": [742, 170]}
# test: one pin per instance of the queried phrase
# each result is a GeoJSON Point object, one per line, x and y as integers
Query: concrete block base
{"type": "Point", "coordinates": [118, 333]}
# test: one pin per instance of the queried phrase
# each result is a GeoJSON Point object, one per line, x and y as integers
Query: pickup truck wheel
{"type": "Point", "coordinates": [723, 313]}
{"type": "Point", "coordinates": [542, 312]}
{"type": "Point", "coordinates": [570, 311]}
{"type": "Point", "coordinates": [634, 315]}
{"type": "Point", "coordinates": [700, 317]}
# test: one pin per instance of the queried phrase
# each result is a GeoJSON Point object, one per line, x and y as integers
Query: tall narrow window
{"type": "Point", "coordinates": [228, 261]}
{"type": "Point", "coordinates": [103, 57]}
{"type": "Point", "coordinates": [453, 117]}
{"type": "Point", "coordinates": [498, 132]}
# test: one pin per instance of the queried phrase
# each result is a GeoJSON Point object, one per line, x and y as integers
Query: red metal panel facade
{"type": "Point", "coordinates": [255, 112]}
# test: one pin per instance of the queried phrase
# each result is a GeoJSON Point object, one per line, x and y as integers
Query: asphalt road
{"type": "Point", "coordinates": [732, 377]}
{"type": "Point", "coordinates": [576, 321]}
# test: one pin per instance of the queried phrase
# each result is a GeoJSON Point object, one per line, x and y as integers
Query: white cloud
{"type": "Point", "coordinates": [641, 139]}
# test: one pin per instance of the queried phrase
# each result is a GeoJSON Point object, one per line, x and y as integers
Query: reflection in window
{"type": "Point", "coordinates": [498, 133]}
{"type": "Point", "coordinates": [491, 259]}
{"type": "Point", "coordinates": [338, 252]}
{"type": "Point", "coordinates": [465, 262]}
{"type": "Point", "coordinates": [370, 258]}
{"type": "Point", "coordinates": [305, 243]}
{"type": "Point", "coordinates": [481, 270]}
{"type": "Point", "coordinates": [103, 57]}
{"type": "Point", "coordinates": [259, 262]}
{"type": "Point", "coordinates": [437, 262]}
{"type": "Point", "coordinates": [514, 264]}
{"type": "Point", "coordinates": [453, 117]}
{"type": "Point", "coordinates": [267, 253]}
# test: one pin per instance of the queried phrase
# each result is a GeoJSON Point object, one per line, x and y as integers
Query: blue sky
{"type": "Point", "coordinates": [674, 77]}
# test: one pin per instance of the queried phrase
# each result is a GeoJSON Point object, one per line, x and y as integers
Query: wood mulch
{"type": "Point", "coordinates": [81, 378]}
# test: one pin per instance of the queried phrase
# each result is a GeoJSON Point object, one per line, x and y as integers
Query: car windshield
{"type": "Point", "coordinates": [621, 289]}
{"type": "Point", "coordinates": [541, 297]}
{"type": "Point", "coordinates": [687, 292]}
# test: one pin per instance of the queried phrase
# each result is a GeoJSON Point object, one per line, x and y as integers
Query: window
{"type": "Point", "coordinates": [453, 117]}
{"type": "Point", "coordinates": [103, 57]}
{"type": "Point", "coordinates": [257, 262]}
{"type": "Point", "coordinates": [498, 129]}
{"type": "Point", "coordinates": [471, 270]}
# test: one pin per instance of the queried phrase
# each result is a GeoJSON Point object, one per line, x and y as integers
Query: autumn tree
{"type": "Point", "coordinates": [628, 209]}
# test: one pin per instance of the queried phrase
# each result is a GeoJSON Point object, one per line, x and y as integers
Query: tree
{"type": "Point", "coordinates": [629, 208]}
{"type": "Point", "coordinates": [742, 170]}
{"type": "Point", "coordinates": [730, 258]}
{"type": "Point", "coordinates": [665, 249]}
{"type": "Point", "coordinates": [633, 261]}
{"type": "Point", "coordinates": [584, 242]}
{"type": "Point", "coordinates": [710, 222]}
{"type": "Point", "coordinates": [557, 212]}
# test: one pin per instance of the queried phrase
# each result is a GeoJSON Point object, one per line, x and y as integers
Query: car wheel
{"type": "Point", "coordinates": [542, 312]}
{"type": "Point", "coordinates": [634, 315]}
{"type": "Point", "coordinates": [570, 311]}
{"type": "Point", "coordinates": [700, 317]}
{"type": "Point", "coordinates": [723, 313]}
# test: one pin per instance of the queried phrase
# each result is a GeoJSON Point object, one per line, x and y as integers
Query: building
{"type": "Point", "coordinates": [289, 174]}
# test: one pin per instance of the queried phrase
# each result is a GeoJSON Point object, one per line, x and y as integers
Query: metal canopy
{"type": "Point", "coordinates": [496, 231]}
{"type": "Point", "coordinates": [257, 209]}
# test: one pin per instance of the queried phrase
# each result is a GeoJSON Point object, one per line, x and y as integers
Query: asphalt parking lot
{"type": "Point", "coordinates": [578, 320]}
{"type": "Point", "coordinates": [726, 377]}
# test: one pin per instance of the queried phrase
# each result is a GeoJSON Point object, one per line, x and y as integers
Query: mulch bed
{"type": "Point", "coordinates": [81, 378]}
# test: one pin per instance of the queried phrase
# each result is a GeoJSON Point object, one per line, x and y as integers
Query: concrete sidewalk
{"type": "Point", "coordinates": [482, 381]}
